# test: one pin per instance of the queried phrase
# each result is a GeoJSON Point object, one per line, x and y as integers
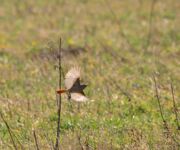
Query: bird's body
{"type": "Point", "coordinates": [73, 86]}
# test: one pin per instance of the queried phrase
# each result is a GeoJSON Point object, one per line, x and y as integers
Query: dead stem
{"type": "Point", "coordinates": [159, 104]}
{"type": "Point", "coordinates": [35, 139]}
{"type": "Point", "coordinates": [9, 130]}
{"type": "Point", "coordinates": [59, 100]}
{"type": "Point", "coordinates": [79, 140]}
{"type": "Point", "coordinates": [119, 23]}
{"type": "Point", "coordinates": [149, 35]}
{"type": "Point", "coordinates": [174, 105]}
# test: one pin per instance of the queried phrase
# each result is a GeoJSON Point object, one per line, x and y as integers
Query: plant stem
{"type": "Point", "coordinates": [35, 138]}
{"type": "Point", "coordinates": [174, 105]}
{"type": "Point", "coordinates": [159, 104]}
{"type": "Point", "coordinates": [9, 130]}
{"type": "Point", "coordinates": [59, 100]}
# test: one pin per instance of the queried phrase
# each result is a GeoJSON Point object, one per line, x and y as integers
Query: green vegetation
{"type": "Point", "coordinates": [109, 41]}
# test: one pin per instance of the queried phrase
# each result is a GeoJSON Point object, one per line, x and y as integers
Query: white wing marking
{"type": "Point", "coordinates": [78, 97]}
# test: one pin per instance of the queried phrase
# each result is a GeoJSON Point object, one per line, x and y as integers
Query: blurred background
{"type": "Point", "coordinates": [121, 46]}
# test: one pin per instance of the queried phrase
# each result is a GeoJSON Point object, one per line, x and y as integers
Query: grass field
{"type": "Point", "coordinates": [120, 46]}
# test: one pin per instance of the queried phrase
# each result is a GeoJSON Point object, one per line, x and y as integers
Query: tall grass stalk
{"type": "Point", "coordinates": [59, 100]}
{"type": "Point", "coordinates": [9, 130]}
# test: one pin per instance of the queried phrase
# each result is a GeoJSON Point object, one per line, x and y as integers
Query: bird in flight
{"type": "Point", "coordinates": [73, 87]}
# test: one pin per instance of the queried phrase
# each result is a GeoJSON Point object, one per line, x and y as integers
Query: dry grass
{"type": "Point", "coordinates": [107, 39]}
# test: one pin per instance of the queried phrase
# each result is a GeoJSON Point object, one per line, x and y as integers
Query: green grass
{"type": "Point", "coordinates": [122, 112]}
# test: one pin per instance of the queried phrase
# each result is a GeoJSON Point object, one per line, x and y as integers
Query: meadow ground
{"type": "Point", "coordinates": [119, 45]}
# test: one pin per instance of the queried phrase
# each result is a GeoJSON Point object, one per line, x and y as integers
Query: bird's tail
{"type": "Point", "coordinates": [60, 91]}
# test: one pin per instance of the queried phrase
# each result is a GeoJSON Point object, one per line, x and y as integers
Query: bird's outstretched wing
{"type": "Point", "coordinates": [78, 97]}
{"type": "Point", "coordinates": [71, 77]}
